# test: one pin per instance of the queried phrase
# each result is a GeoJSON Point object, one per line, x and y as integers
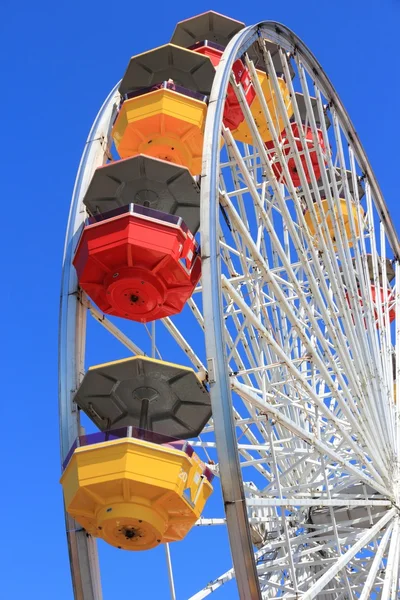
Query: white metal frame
{"type": "Point", "coordinates": [72, 331]}
{"type": "Point", "coordinates": [215, 312]}
{"type": "Point", "coordinates": [301, 385]}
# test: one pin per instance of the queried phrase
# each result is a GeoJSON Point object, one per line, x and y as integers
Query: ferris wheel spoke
{"type": "Point", "coordinates": [110, 327]}
{"type": "Point", "coordinates": [370, 435]}
{"type": "Point", "coordinates": [184, 345]}
{"type": "Point", "coordinates": [221, 580]}
{"type": "Point", "coordinates": [376, 564]}
{"type": "Point", "coordinates": [392, 568]}
{"type": "Point", "coordinates": [345, 558]}
{"type": "Point", "coordinates": [330, 565]}
{"type": "Point", "coordinates": [269, 230]}
{"type": "Point", "coordinates": [298, 377]}
{"type": "Point", "coordinates": [304, 560]}
{"type": "Point", "coordinates": [311, 439]}
{"type": "Point", "coordinates": [320, 502]}
{"type": "Point", "coordinates": [134, 348]}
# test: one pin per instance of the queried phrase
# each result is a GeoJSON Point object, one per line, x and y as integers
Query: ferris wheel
{"type": "Point", "coordinates": [228, 234]}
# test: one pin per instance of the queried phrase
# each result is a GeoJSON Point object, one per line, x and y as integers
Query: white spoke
{"type": "Point", "coordinates": [365, 594]}
{"type": "Point", "coordinates": [363, 541]}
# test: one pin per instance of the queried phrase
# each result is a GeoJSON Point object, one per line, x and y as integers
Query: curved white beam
{"type": "Point", "coordinates": [72, 329]}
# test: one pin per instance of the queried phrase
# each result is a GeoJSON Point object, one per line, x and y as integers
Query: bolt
{"type": "Point", "coordinates": [115, 275]}
{"type": "Point", "coordinates": [130, 533]}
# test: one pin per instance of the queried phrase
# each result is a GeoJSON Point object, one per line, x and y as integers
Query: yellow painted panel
{"type": "Point", "coordinates": [154, 361]}
{"type": "Point", "coordinates": [330, 224]}
{"type": "Point", "coordinates": [167, 102]}
{"type": "Point", "coordinates": [243, 133]}
{"type": "Point", "coordinates": [163, 124]}
{"type": "Point", "coordinates": [135, 494]}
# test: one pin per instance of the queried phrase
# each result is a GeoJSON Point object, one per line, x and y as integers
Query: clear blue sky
{"type": "Point", "coordinates": [58, 62]}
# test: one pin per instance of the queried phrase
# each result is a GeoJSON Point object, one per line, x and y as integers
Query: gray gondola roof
{"type": "Point", "coordinates": [146, 181]}
{"type": "Point", "coordinates": [303, 110]}
{"type": "Point", "coordinates": [160, 397]}
{"type": "Point", "coordinates": [210, 26]}
{"type": "Point", "coordinates": [189, 69]}
{"type": "Point", "coordinates": [255, 54]}
{"type": "Point", "coordinates": [340, 185]}
{"type": "Point", "coordinates": [360, 514]}
{"type": "Point", "coordinates": [390, 272]}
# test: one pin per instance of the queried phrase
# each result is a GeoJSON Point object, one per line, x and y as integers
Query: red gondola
{"type": "Point", "coordinates": [285, 147]}
{"type": "Point", "coordinates": [233, 114]}
{"type": "Point", "coordinates": [138, 263]}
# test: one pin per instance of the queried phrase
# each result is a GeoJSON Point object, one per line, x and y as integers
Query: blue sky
{"type": "Point", "coordinates": [58, 62]}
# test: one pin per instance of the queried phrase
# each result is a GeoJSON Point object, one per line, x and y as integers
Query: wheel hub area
{"type": "Point", "coordinates": [135, 292]}
{"type": "Point", "coordinates": [131, 526]}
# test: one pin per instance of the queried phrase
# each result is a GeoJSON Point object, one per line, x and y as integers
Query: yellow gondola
{"type": "Point", "coordinates": [162, 123]}
{"type": "Point", "coordinates": [135, 494]}
{"type": "Point", "coordinates": [243, 133]}
{"type": "Point", "coordinates": [324, 216]}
